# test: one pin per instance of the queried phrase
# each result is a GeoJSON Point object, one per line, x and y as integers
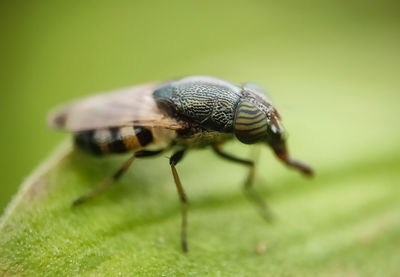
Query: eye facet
{"type": "Point", "coordinates": [250, 123]}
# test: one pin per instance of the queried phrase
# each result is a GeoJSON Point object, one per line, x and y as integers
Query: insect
{"type": "Point", "coordinates": [193, 112]}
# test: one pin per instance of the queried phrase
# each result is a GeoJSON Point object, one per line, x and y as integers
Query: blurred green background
{"type": "Point", "coordinates": [331, 67]}
{"type": "Point", "coordinates": [332, 70]}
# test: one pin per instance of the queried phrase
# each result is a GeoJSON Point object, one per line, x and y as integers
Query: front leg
{"type": "Point", "coordinates": [248, 185]}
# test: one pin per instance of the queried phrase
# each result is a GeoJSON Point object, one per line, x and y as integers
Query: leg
{"type": "Point", "coordinates": [145, 153]}
{"type": "Point", "coordinates": [248, 185]}
{"type": "Point", "coordinates": [107, 182]}
{"type": "Point", "coordinates": [182, 196]}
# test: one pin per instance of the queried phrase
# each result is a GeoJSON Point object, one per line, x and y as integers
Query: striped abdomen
{"type": "Point", "coordinates": [114, 140]}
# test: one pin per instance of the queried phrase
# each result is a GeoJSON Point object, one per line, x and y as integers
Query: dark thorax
{"type": "Point", "coordinates": [208, 102]}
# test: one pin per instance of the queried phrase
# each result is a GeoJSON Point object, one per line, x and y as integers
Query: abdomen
{"type": "Point", "coordinates": [114, 140]}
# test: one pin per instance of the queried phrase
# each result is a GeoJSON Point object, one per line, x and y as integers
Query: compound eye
{"type": "Point", "coordinates": [250, 123]}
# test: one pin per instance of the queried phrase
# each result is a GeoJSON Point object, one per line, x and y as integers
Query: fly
{"type": "Point", "coordinates": [193, 112]}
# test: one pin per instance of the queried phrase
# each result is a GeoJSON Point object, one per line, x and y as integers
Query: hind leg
{"type": "Point", "coordinates": [113, 178]}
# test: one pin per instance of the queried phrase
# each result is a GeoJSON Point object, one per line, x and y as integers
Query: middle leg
{"type": "Point", "coordinates": [173, 161]}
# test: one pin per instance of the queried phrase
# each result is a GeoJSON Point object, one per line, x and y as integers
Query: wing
{"type": "Point", "coordinates": [124, 107]}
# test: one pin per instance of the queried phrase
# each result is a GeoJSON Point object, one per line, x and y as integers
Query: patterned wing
{"type": "Point", "coordinates": [124, 107]}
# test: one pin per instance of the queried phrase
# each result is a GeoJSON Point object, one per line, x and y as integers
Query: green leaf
{"type": "Point", "coordinates": [345, 224]}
